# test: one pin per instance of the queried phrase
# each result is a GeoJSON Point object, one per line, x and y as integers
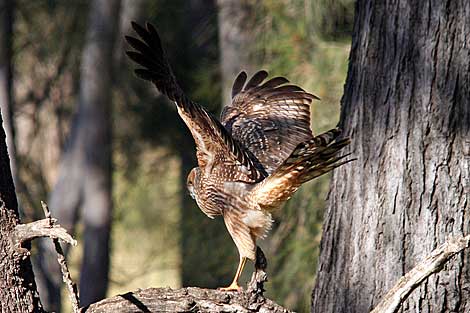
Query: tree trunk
{"type": "Point", "coordinates": [407, 109]}
{"type": "Point", "coordinates": [96, 107]}
{"type": "Point", "coordinates": [85, 170]}
{"type": "Point", "coordinates": [6, 79]}
{"type": "Point", "coordinates": [131, 10]}
{"type": "Point", "coordinates": [235, 19]}
{"type": "Point", "coordinates": [17, 287]}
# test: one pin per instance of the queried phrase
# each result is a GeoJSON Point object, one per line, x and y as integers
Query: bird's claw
{"type": "Point", "coordinates": [232, 287]}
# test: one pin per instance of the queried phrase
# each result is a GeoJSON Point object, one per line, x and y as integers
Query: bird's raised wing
{"type": "Point", "coordinates": [214, 144]}
{"type": "Point", "coordinates": [269, 118]}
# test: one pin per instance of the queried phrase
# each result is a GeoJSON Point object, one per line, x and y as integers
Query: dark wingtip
{"type": "Point", "coordinates": [242, 74]}
{"type": "Point", "coordinates": [150, 27]}
{"type": "Point", "coordinates": [128, 39]}
{"type": "Point", "coordinates": [256, 79]}
{"type": "Point", "coordinates": [133, 55]}
{"type": "Point", "coordinates": [145, 74]}
{"type": "Point", "coordinates": [239, 83]}
{"type": "Point", "coordinates": [135, 25]}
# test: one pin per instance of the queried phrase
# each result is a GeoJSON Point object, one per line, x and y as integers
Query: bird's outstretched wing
{"type": "Point", "coordinates": [214, 144]}
{"type": "Point", "coordinates": [309, 160]}
{"type": "Point", "coordinates": [269, 118]}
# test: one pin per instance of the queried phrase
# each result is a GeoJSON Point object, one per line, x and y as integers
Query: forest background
{"type": "Point", "coordinates": [152, 151]}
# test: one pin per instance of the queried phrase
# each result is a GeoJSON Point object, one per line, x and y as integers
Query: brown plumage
{"type": "Point", "coordinates": [256, 157]}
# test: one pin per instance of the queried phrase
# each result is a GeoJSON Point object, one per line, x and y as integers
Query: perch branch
{"type": "Point", "coordinates": [195, 299]}
{"type": "Point", "coordinates": [432, 264]}
{"type": "Point", "coordinates": [66, 277]}
{"type": "Point", "coordinates": [189, 299]}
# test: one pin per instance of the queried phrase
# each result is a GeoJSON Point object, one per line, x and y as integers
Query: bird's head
{"type": "Point", "coordinates": [192, 183]}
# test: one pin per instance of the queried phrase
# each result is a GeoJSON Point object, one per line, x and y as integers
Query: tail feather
{"type": "Point", "coordinates": [309, 160]}
{"type": "Point", "coordinates": [315, 157]}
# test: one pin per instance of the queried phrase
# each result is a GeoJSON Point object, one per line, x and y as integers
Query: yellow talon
{"type": "Point", "coordinates": [234, 285]}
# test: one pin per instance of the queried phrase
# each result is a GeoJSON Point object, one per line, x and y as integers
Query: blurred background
{"type": "Point", "coordinates": [110, 155]}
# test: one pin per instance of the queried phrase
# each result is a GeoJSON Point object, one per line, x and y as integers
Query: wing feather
{"type": "Point", "coordinates": [270, 118]}
{"type": "Point", "coordinates": [274, 82]}
{"type": "Point", "coordinates": [214, 143]}
{"type": "Point", "coordinates": [256, 79]}
{"type": "Point", "coordinates": [238, 83]}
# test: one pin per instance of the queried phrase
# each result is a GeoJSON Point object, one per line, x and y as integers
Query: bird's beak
{"type": "Point", "coordinates": [191, 192]}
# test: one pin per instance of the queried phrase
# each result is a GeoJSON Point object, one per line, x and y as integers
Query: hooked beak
{"type": "Point", "coordinates": [191, 192]}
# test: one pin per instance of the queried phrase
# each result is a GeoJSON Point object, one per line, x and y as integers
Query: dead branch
{"type": "Point", "coordinates": [66, 277]}
{"type": "Point", "coordinates": [189, 299]}
{"type": "Point", "coordinates": [432, 264]}
{"type": "Point", "coordinates": [194, 299]}
{"type": "Point", "coordinates": [47, 227]}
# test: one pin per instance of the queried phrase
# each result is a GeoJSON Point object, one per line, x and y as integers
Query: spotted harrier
{"type": "Point", "coordinates": [255, 157]}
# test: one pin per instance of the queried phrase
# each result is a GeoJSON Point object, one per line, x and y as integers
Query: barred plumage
{"type": "Point", "coordinates": [256, 157]}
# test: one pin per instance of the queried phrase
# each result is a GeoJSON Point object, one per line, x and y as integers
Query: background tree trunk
{"type": "Point", "coordinates": [17, 287]}
{"type": "Point", "coordinates": [6, 79]}
{"type": "Point", "coordinates": [236, 36]}
{"type": "Point", "coordinates": [85, 170]}
{"type": "Point", "coordinates": [406, 108]}
{"type": "Point", "coordinates": [96, 108]}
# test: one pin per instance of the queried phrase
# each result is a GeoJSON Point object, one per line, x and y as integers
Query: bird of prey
{"type": "Point", "coordinates": [255, 157]}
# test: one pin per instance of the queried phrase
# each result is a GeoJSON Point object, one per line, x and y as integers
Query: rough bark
{"type": "Point", "coordinates": [17, 287]}
{"type": "Point", "coordinates": [235, 19]}
{"type": "Point", "coordinates": [407, 110]}
{"type": "Point", "coordinates": [430, 265]}
{"type": "Point", "coordinates": [195, 299]}
{"type": "Point", "coordinates": [6, 79]}
{"type": "Point", "coordinates": [185, 300]}
{"type": "Point", "coordinates": [85, 171]}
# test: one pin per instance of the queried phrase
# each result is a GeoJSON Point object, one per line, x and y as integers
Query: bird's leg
{"type": "Point", "coordinates": [234, 285]}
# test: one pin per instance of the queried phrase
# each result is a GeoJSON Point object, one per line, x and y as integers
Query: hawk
{"type": "Point", "coordinates": [255, 157]}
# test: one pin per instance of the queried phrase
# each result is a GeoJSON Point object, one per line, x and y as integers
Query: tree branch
{"type": "Point", "coordinates": [194, 299]}
{"type": "Point", "coordinates": [66, 277]}
{"type": "Point", "coordinates": [47, 227]}
{"type": "Point", "coordinates": [432, 264]}
{"type": "Point", "coordinates": [189, 299]}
